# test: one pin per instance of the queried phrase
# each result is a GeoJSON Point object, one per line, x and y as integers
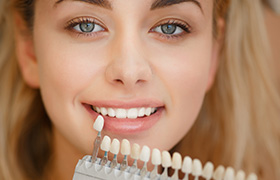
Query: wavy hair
{"type": "Point", "coordinates": [239, 124]}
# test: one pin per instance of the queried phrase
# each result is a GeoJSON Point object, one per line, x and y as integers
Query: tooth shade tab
{"type": "Point", "coordinates": [176, 161]}
{"type": "Point", "coordinates": [122, 113]}
{"type": "Point", "coordinates": [106, 143]}
{"type": "Point", "coordinates": [240, 175]}
{"type": "Point", "coordinates": [219, 173]}
{"type": "Point", "coordinates": [166, 159]}
{"type": "Point", "coordinates": [156, 157]}
{"type": "Point", "coordinates": [145, 154]}
{"type": "Point", "coordinates": [187, 165]}
{"type": "Point", "coordinates": [115, 146]}
{"type": "Point", "coordinates": [208, 170]}
{"type": "Point", "coordinates": [229, 174]}
{"type": "Point", "coordinates": [135, 152]}
{"type": "Point", "coordinates": [252, 177]}
{"type": "Point", "coordinates": [196, 168]}
{"type": "Point", "coordinates": [99, 123]}
{"type": "Point", "coordinates": [125, 147]}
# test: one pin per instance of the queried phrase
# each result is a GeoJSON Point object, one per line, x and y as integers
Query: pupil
{"type": "Point", "coordinates": [87, 27]}
{"type": "Point", "coordinates": [168, 28]}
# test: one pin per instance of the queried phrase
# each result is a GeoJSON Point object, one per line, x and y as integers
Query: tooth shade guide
{"type": "Point", "coordinates": [188, 166]}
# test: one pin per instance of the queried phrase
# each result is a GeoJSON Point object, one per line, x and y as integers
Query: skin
{"type": "Point", "coordinates": [126, 62]}
{"type": "Point", "coordinates": [273, 29]}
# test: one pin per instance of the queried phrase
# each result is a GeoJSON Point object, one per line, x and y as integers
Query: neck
{"type": "Point", "coordinates": [64, 159]}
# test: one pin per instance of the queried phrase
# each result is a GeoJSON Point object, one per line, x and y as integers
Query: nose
{"type": "Point", "coordinates": [128, 66]}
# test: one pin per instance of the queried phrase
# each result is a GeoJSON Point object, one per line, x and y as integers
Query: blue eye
{"type": "Point", "coordinates": [88, 27]}
{"type": "Point", "coordinates": [169, 29]}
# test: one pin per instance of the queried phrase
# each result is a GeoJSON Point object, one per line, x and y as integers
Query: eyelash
{"type": "Point", "coordinates": [74, 22]}
{"type": "Point", "coordinates": [77, 21]}
{"type": "Point", "coordinates": [184, 26]}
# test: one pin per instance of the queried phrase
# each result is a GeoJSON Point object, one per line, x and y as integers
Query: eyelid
{"type": "Point", "coordinates": [185, 26]}
{"type": "Point", "coordinates": [78, 20]}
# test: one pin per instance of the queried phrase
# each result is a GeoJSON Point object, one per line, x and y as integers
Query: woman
{"type": "Point", "coordinates": [168, 69]}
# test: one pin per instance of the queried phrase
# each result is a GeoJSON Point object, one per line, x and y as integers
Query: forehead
{"type": "Point", "coordinates": [152, 4]}
{"type": "Point", "coordinates": [202, 9]}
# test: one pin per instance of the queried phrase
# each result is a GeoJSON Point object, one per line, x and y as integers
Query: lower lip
{"type": "Point", "coordinates": [128, 126]}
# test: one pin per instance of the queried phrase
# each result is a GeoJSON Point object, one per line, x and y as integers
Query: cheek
{"type": "Point", "coordinates": [65, 70]}
{"type": "Point", "coordinates": [184, 74]}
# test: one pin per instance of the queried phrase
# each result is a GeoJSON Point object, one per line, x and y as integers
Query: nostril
{"type": "Point", "coordinates": [119, 80]}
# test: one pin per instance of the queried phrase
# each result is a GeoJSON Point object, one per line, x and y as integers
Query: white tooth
{"type": "Point", "coordinates": [135, 151]}
{"type": "Point", "coordinates": [115, 146]}
{"type": "Point", "coordinates": [98, 109]}
{"type": "Point", "coordinates": [145, 154]}
{"type": "Point", "coordinates": [187, 165]}
{"type": "Point", "coordinates": [125, 147]}
{"type": "Point", "coordinates": [98, 123]}
{"type": "Point", "coordinates": [132, 113]}
{"type": "Point", "coordinates": [103, 111]}
{"type": "Point", "coordinates": [141, 112]}
{"type": "Point", "coordinates": [208, 170]}
{"type": "Point", "coordinates": [156, 157]}
{"type": "Point", "coordinates": [121, 113]}
{"type": "Point", "coordinates": [111, 112]}
{"type": "Point", "coordinates": [153, 109]}
{"type": "Point", "coordinates": [229, 174]}
{"type": "Point", "coordinates": [166, 159]}
{"type": "Point", "coordinates": [148, 111]}
{"type": "Point", "coordinates": [106, 143]}
{"type": "Point", "coordinates": [219, 173]}
{"type": "Point", "coordinates": [196, 168]}
{"type": "Point", "coordinates": [252, 177]}
{"type": "Point", "coordinates": [176, 161]}
{"type": "Point", "coordinates": [240, 175]}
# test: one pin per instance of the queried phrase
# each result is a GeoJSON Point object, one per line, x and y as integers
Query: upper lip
{"type": "Point", "coordinates": [126, 104]}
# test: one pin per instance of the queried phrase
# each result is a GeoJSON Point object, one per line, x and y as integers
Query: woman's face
{"type": "Point", "coordinates": [125, 58]}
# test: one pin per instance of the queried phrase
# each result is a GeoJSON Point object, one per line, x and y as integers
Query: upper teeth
{"type": "Point", "coordinates": [125, 113]}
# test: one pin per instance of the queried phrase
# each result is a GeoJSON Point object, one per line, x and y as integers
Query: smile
{"type": "Point", "coordinates": [121, 113]}
{"type": "Point", "coordinates": [127, 117]}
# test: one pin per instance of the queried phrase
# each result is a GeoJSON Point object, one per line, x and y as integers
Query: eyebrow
{"type": "Point", "coordinates": [102, 3]}
{"type": "Point", "coordinates": [156, 5]}
{"type": "Point", "coordinates": [164, 3]}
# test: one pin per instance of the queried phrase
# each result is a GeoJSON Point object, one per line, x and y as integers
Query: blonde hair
{"type": "Point", "coordinates": [25, 138]}
{"type": "Point", "coordinates": [239, 122]}
{"type": "Point", "coordinates": [237, 125]}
